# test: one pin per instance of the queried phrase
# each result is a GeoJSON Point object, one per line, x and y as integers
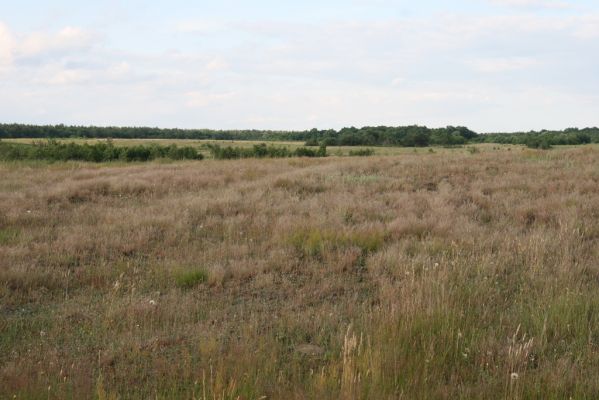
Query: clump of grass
{"type": "Point", "coordinates": [8, 235]}
{"type": "Point", "coordinates": [312, 242]}
{"type": "Point", "coordinates": [190, 278]}
{"type": "Point", "coordinates": [361, 178]}
{"type": "Point", "coordinates": [368, 241]}
{"type": "Point", "coordinates": [315, 242]}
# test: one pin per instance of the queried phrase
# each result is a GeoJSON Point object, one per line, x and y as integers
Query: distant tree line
{"type": "Point", "coordinates": [408, 136]}
{"type": "Point", "coordinates": [52, 150]}
{"type": "Point", "coordinates": [544, 138]}
{"type": "Point", "coordinates": [111, 132]}
{"type": "Point", "coordinates": [366, 136]}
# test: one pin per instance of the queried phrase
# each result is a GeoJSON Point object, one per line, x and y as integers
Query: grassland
{"type": "Point", "coordinates": [448, 274]}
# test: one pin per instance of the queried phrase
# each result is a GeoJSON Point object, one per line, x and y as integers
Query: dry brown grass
{"type": "Point", "coordinates": [429, 275]}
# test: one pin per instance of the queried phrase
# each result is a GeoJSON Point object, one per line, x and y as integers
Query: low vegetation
{"type": "Point", "coordinates": [52, 150]}
{"type": "Point", "coordinates": [262, 151]}
{"type": "Point", "coordinates": [448, 274]}
{"type": "Point", "coordinates": [361, 152]}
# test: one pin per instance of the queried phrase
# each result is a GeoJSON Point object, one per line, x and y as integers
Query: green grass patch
{"type": "Point", "coordinates": [191, 278]}
{"type": "Point", "coordinates": [315, 242]}
{"type": "Point", "coordinates": [9, 235]}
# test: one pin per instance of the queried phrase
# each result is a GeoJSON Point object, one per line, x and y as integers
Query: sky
{"type": "Point", "coordinates": [491, 65]}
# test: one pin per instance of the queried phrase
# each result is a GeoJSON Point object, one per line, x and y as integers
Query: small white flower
{"type": "Point", "coordinates": [436, 265]}
{"type": "Point", "coordinates": [152, 302]}
{"type": "Point", "coordinates": [28, 211]}
{"type": "Point", "coordinates": [514, 376]}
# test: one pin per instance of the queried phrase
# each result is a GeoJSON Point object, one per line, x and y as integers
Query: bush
{"type": "Point", "coordinates": [183, 153]}
{"type": "Point", "coordinates": [535, 142]}
{"type": "Point", "coordinates": [262, 151]}
{"type": "Point", "coordinates": [361, 152]}
{"type": "Point", "coordinates": [322, 151]}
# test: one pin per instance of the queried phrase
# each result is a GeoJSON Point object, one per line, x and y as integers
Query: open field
{"type": "Point", "coordinates": [451, 274]}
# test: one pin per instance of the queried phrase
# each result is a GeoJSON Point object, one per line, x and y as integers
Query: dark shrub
{"type": "Point", "coordinates": [361, 152]}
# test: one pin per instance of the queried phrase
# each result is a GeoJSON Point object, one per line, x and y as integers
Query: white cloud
{"type": "Point", "coordinates": [398, 81]}
{"type": "Point", "coordinates": [61, 76]}
{"type": "Point", "coordinates": [68, 39]}
{"type": "Point", "coordinates": [201, 26]}
{"type": "Point", "coordinates": [119, 69]}
{"type": "Point", "coordinates": [197, 99]}
{"type": "Point", "coordinates": [6, 46]}
{"type": "Point", "coordinates": [502, 64]}
{"type": "Point", "coordinates": [41, 46]}
{"type": "Point", "coordinates": [534, 3]}
{"type": "Point", "coordinates": [587, 27]}
{"type": "Point", "coordinates": [216, 64]}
